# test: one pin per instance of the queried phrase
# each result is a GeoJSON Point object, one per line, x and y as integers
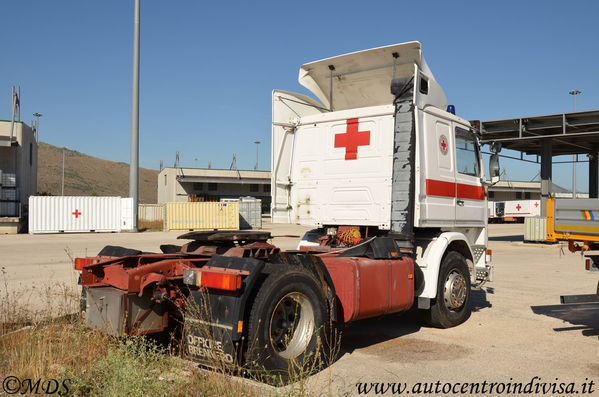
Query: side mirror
{"type": "Point", "coordinates": [494, 168]}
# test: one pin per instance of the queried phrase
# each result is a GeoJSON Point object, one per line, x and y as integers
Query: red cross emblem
{"type": "Point", "coordinates": [443, 144]}
{"type": "Point", "coordinates": [518, 207]}
{"type": "Point", "coordinates": [76, 213]}
{"type": "Point", "coordinates": [352, 139]}
{"type": "Point", "coordinates": [536, 204]}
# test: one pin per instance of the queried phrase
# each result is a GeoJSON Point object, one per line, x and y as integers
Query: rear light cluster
{"type": "Point", "coordinates": [218, 280]}
{"type": "Point", "coordinates": [81, 262]}
{"type": "Point", "coordinates": [488, 256]}
{"type": "Point", "coordinates": [215, 278]}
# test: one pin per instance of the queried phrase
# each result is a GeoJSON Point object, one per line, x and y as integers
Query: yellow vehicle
{"type": "Point", "coordinates": [577, 222]}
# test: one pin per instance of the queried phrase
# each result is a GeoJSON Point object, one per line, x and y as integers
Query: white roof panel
{"type": "Point", "coordinates": [362, 78]}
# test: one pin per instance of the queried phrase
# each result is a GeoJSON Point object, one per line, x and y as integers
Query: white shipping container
{"type": "Point", "coordinates": [63, 214]}
{"type": "Point", "coordinates": [127, 213]}
{"type": "Point", "coordinates": [522, 208]}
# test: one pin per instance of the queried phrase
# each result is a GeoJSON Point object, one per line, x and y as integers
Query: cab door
{"type": "Point", "coordinates": [470, 197]}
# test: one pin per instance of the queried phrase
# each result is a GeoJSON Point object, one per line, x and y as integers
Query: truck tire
{"type": "Point", "coordinates": [451, 307]}
{"type": "Point", "coordinates": [288, 329]}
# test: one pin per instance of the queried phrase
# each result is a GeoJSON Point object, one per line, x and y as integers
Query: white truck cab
{"type": "Point", "coordinates": [380, 150]}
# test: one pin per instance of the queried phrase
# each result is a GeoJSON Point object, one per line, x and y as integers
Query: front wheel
{"type": "Point", "coordinates": [451, 307]}
{"type": "Point", "coordinates": [288, 323]}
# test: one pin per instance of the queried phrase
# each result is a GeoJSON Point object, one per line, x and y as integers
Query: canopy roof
{"type": "Point", "coordinates": [569, 133]}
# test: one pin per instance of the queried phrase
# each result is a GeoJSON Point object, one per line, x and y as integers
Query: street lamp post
{"type": "Point", "coordinates": [134, 165]}
{"type": "Point", "coordinates": [256, 165]}
{"type": "Point", "coordinates": [37, 124]}
{"type": "Point", "coordinates": [574, 93]}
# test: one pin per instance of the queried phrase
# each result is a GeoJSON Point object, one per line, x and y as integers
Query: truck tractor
{"type": "Point", "coordinates": [391, 181]}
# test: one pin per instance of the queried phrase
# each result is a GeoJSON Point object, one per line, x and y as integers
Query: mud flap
{"type": "Point", "coordinates": [214, 320]}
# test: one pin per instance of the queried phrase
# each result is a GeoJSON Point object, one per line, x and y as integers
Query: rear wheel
{"type": "Point", "coordinates": [451, 307]}
{"type": "Point", "coordinates": [288, 324]}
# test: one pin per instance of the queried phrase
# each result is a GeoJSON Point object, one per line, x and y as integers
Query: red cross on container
{"type": "Point", "coordinates": [536, 204]}
{"type": "Point", "coordinates": [352, 139]}
{"type": "Point", "coordinates": [518, 207]}
{"type": "Point", "coordinates": [76, 213]}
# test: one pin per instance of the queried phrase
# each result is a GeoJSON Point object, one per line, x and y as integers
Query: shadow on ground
{"type": "Point", "coordinates": [478, 299]}
{"type": "Point", "coordinates": [583, 317]}
{"type": "Point", "coordinates": [511, 238]}
{"type": "Point", "coordinates": [389, 337]}
{"type": "Point", "coordinates": [366, 333]}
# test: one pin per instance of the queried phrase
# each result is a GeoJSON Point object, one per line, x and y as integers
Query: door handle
{"type": "Point", "coordinates": [460, 203]}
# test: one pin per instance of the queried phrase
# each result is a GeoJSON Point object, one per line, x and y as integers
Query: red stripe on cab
{"type": "Point", "coordinates": [451, 189]}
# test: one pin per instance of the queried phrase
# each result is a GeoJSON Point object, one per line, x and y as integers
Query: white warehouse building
{"type": "Point", "coordinates": [206, 184]}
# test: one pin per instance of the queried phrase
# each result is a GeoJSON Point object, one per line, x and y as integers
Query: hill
{"type": "Point", "coordinates": [86, 175]}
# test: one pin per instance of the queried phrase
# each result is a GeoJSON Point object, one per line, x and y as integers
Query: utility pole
{"type": "Point", "coordinates": [256, 165]}
{"type": "Point", "coordinates": [574, 157]}
{"type": "Point", "coordinates": [134, 166]}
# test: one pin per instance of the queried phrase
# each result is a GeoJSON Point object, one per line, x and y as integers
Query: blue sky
{"type": "Point", "coordinates": [208, 68]}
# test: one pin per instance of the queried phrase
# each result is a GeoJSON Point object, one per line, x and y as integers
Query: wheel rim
{"type": "Point", "coordinates": [455, 290]}
{"type": "Point", "coordinates": [291, 325]}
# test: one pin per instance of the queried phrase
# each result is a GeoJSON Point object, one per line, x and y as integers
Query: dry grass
{"type": "Point", "coordinates": [54, 343]}
{"type": "Point", "coordinates": [150, 225]}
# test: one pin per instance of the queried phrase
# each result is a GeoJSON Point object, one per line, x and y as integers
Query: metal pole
{"type": "Point", "coordinates": [19, 101]}
{"type": "Point", "coordinates": [134, 166]}
{"type": "Point", "coordinates": [62, 194]}
{"type": "Point", "coordinates": [331, 68]}
{"type": "Point", "coordinates": [37, 124]}
{"type": "Point", "coordinates": [574, 176]}
{"type": "Point", "coordinates": [256, 165]}
{"type": "Point", "coordinates": [12, 120]}
{"type": "Point", "coordinates": [574, 157]}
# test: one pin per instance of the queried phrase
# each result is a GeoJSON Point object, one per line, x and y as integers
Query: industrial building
{"type": "Point", "coordinates": [518, 190]}
{"type": "Point", "coordinates": [206, 184]}
{"type": "Point", "coordinates": [18, 169]}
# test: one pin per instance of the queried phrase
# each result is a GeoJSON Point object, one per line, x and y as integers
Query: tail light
{"type": "Point", "coordinates": [81, 262]}
{"type": "Point", "coordinates": [218, 280]}
{"type": "Point", "coordinates": [587, 263]}
{"type": "Point", "coordinates": [488, 256]}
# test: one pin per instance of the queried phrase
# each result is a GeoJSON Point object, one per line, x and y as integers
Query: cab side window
{"type": "Point", "coordinates": [466, 153]}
